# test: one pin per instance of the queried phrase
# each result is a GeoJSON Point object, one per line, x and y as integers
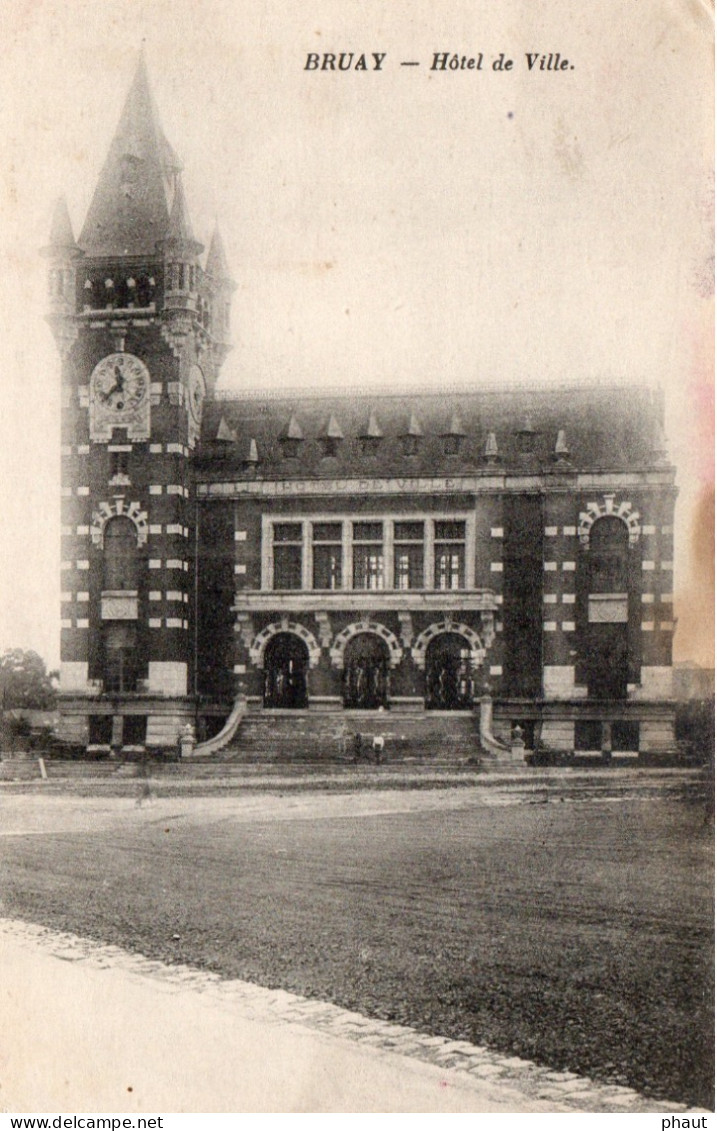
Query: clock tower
{"type": "Point", "coordinates": [141, 323]}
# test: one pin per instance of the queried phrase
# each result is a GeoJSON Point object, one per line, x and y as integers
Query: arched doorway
{"type": "Point", "coordinates": [449, 680]}
{"type": "Point", "coordinates": [365, 679]}
{"type": "Point", "coordinates": [286, 659]}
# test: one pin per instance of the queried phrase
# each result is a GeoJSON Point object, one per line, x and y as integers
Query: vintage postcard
{"type": "Point", "coordinates": [357, 616]}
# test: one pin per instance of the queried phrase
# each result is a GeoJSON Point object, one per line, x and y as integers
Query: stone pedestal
{"type": "Point", "coordinates": [187, 741]}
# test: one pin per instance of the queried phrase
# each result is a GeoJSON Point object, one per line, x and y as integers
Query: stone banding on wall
{"type": "Point", "coordinates": [609, 507]}
{"type": "Point", "coordinates": [260, 641]}
{"type": "Point", "coordinates": [338, 647]}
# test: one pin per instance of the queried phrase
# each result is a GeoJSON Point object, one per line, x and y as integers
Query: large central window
{"type": "Point", "coordinates": [450, 555]}
{"type": "Point", "coordinates": [368, 555]}
{"type": "Point", "coordinates": [330, 554]}
{"type": "Point", "coordinates": [327, 555]}
{"type": "Point", "coordinates": [287, 555]}
{"type": "Point", "coordinates": [408, 555]}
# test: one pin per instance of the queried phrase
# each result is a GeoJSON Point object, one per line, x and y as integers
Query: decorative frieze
{"type": "Point", "coordinates": [119, 606]}
{"type": "Point", "coordinates": [607, 608]}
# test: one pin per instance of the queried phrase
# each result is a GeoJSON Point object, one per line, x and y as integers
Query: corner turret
{"type": "Point", "coordinates": [220, 286]}
{"type": "Point", "coordinates": [63, 253]}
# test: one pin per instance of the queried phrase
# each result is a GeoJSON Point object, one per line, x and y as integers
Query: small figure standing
{"type": "Point", "coordinates": [378, 745]}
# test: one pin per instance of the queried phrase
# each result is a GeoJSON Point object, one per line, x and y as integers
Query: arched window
{"type": "Point", "coordinates": [120, 554]}
{"type": "Point", "coordinates": [609, 540]}
{"type": "Point", "coordinates": [606, 639]}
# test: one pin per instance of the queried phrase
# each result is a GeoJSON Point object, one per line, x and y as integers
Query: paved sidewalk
{"type": "Point", "coordinates": [86, 1027]}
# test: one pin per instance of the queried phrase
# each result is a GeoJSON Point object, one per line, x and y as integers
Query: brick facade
{"type": "Point", "coordinates": [332, 551]}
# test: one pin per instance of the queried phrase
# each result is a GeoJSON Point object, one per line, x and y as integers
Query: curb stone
{"type": "Point", "coordinates": [570, 1091]}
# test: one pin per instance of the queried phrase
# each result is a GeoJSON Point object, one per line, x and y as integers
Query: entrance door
{"type": "Point", "coordinates": [286, 659]}
{"type": "Point", "coordinates": [449, 682]}
{"type": "Point", "coordinates": [607, 661]}
{"type": "Point", "coordinates": [366, 664]}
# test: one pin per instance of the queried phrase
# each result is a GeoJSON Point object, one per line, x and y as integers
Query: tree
{"type": "Point", "coordinates": [25, 681]}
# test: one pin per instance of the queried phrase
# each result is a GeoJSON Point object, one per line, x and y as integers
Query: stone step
{"type": "Point", "coordinates": [329, 735]}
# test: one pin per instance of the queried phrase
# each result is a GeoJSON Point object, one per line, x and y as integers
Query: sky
{"type": "Point", "coordinates": [392, 228]}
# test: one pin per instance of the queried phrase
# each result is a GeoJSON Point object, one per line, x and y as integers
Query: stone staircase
{"type": "Point", "coordinates": [439, 737]}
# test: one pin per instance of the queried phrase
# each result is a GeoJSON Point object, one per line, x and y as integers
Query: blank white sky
{"type": "Point", "coordinates": [384, 229]}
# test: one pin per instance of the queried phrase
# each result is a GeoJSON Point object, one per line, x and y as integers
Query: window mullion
{"type": "Point", "coordinates": [388, 578]}
{"type": "Point", "coordinates": [347, 564]}
{"type": "Point", "coordinates": [306, 556]}
{"type": "Point", "coordinates": [429, 562]}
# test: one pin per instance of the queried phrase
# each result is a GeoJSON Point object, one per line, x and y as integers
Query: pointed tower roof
{"type": "Point", "coordinates": [129, 212]}
{"type": "Point", "coordinates": [61, 234]}
{"type": "Point", "coordinates": [180, 227]}
{"type": "Point", "coordinates": [179, 231]}
{"type": "Point", "coordinates": [659, 445]}
{"type": "Point", "coordinates": [217, 265]}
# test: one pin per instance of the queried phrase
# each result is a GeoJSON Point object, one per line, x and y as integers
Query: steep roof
{"type": "Point", "coordinates": [592, 427]}
{"type": "Point", "coordinates": [129, 211]}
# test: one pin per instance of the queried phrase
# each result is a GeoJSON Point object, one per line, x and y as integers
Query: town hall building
{"type": "Point", "coordinates": [273, 571]}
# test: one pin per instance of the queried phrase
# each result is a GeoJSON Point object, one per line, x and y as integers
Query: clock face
{"type": "Point", "coordinates": [119, 385]}
{"type": "Point", "coordinates": [196, 393]}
